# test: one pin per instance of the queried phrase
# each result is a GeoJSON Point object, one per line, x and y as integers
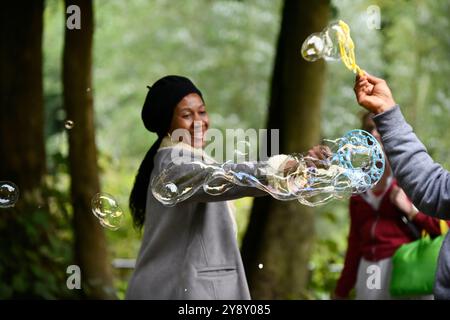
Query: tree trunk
{"type": "Point", "coordinates": [280, 234]}
{"type": "Point", "coordinates": [90, 243]}
{"type": "Point", "coordinates": [22, 150]}
{"type": "Point", "coordinates": [22, 111]}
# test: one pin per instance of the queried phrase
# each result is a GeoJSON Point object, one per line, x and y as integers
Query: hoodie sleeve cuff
{"type": "Point", "coordinates": [391, 122]}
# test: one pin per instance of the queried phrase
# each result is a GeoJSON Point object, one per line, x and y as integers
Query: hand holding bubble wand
{"type": "Point", "coordinates": [332, 43]}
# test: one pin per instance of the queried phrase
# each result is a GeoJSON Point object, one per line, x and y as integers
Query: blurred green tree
{"type": "Point", "coordinates": [280, 234]}
{"type": "Point", "coordinates": [29, 267]}
{"type": "Point", "coordinates": [90, 244]}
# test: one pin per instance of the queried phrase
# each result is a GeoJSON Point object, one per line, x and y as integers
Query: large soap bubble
{"type": "Point", "coordinates": [352, 164]}
{"type": "Point", "coordinates": [333, 43]}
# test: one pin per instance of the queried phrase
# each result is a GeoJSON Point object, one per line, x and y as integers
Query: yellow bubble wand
{"type": "Point", "coordinates": [347, 49]}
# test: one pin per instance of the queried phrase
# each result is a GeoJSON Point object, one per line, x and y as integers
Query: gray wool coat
{"type": "Point", "coordinates": [190, 250]}
{"type": "Point", "coordinates": [424, 181]}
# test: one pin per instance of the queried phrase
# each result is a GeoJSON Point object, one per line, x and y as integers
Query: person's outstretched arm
{"type": "Point", "coordinates": [424, 181]}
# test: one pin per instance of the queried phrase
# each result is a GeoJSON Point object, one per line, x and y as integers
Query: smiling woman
{"type": "Point", "coordinates": [190, 250]}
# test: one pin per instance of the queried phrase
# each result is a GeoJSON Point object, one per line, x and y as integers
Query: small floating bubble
{"type": "Point", "coordinates": [9, 194]}
{"type": "Point", "coordinates": [107, 210]}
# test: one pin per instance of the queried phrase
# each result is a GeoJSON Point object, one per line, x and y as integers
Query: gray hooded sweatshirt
{"type": "Point", "coordinates": [424, 181]}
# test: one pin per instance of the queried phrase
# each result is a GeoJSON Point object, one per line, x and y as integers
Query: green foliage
{"type": "Point", "coordinates": [329, 250]}
{"type": "Point", "coordinates": [417, 52]}
{"type": "Point", "coordinates": [34, 264]}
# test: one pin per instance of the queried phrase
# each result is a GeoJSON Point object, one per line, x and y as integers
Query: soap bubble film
{"type": "Point", "coordinates": [323, 45]}
{"type": "Point", "coordinates": [352, 164]}
{"type": "Point", "coordinates": [106, 209]}
{"type": "Point", "coordinates": [333, 43]}
{"type": "Point", "coordinates": [69, 124]}
{"type": "Point", "coordinates": [9, 194]}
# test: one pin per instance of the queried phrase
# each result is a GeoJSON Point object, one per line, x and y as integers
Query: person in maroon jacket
{"type": "Point", "coordinates": [377, 228]}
